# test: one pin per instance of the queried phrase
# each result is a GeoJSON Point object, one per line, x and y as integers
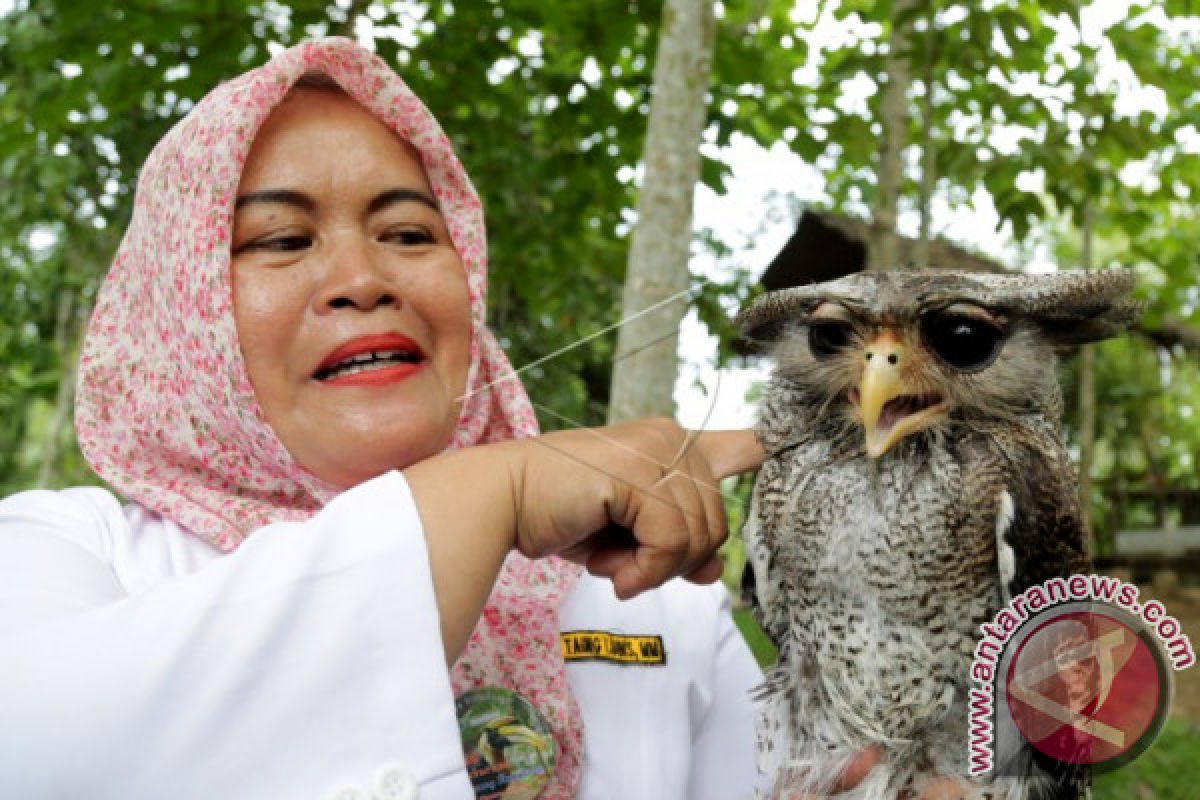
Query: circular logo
{"type": "Point", "coordinates": [1088, 688]}
{"type": "Point", "coordinates": [510, 750]}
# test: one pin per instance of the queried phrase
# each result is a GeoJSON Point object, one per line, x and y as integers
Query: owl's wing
{"type": "Point", "coordinates": [749, 592]}
{"type": "Point", "coordinates": [761, 586]}
{"type": "Point", "coordinates": [784, 428]}
{"type": "Point", "coordinates": [1045, 532]}
{"type": "Point", "coordinates": [1043, 538]}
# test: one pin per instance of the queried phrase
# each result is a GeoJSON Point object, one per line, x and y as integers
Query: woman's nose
{"type": "Point", "coordinates": [354, 278]}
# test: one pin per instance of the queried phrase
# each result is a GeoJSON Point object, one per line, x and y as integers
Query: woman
{"type": "Point", "coordinates": [334, 496]}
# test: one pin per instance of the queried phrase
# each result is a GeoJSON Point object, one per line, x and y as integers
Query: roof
{"type": "Point", "coordinates": [827, 245]}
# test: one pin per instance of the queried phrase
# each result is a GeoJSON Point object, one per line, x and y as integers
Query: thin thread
{"type": "Point", "coordinates": [646, 489]}
{"type": "Point", "coordinates": [689, 441]}
{"type": "Point", "coordinates": [666, 468]}
{"type": "Point", "coordinates": [644, 346]}
{"type": "Point", "coordinates": [694, 433]}
{"type": "Point", "coordinates": [513, 374]}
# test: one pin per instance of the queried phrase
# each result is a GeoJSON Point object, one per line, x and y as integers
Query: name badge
{"type": "Point", "coordinates": [615, 648]}
{"type": "Point", "coordinates": [510, 750]}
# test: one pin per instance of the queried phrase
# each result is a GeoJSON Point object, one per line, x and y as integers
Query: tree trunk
{"type": "Point", "coordinates": [1087, 404]}
{"type": "Point", "coordinates": [646, 363]}
{"type": "Point", "coordinates": [921, 249]}
{"type": "Point", "coordinates": [883, 252]}
{"type": "Point", "coordinates": [356, 9]}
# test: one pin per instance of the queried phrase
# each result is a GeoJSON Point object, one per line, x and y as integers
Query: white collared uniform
{"type": "Point", "coordinates": [136, 661]}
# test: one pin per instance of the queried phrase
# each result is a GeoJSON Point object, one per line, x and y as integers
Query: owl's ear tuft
{"type": "Point", "coordinates": [767, 319]}
{"type": "Point", "coordinates": [1093, 324]}
{"type": "Point", "coordinates": [1070, 307]}
{"type": "Point", "coordinates": [1087, 306]}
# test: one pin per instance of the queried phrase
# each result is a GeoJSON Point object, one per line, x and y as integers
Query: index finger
{"type": "Point", "coordinates": [858, 768]}
{"type": "Point", "coordinates": [852, 775]}
{"type": "Point", "coordinates": [730, 452]}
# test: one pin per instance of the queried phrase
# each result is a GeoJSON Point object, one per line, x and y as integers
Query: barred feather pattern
{"type": "Point", "coordinates": [873, 577]}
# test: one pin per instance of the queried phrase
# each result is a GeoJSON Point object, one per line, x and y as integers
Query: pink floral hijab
{"type": "Point", "coordinates": [165, 412]}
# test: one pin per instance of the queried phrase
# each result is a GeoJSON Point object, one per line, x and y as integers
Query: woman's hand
{"type": "Point", "coordinates": [636, 502]}
{"type": "Point", "coordinates": [864, 762]}
{"type": "Point", "coordinates": [639, 502]}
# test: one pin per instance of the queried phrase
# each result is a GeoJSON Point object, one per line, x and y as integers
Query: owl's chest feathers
{"type": "Point", "coordinates": [889, 567]}
{"type": "Point", "coordinates": [902, 533]}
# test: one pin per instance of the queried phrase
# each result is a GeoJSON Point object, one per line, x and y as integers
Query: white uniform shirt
{"type": "Point", "coordinates": [136, 661]}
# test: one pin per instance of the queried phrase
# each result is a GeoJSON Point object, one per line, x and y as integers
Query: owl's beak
{"type": "Point", "coordinates": [890, 411]}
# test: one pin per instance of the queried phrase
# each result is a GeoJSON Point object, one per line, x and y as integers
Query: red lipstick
{"type": "Point", "coordinates": [401, 358]}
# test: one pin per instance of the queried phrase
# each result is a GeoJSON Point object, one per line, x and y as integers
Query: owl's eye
{"type": "Point", "coordinates": [964, 342]}
{"type": "Point", "coordinates": [827, 338]}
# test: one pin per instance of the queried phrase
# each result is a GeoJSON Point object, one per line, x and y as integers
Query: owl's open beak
{"type": "Point", "coordinates": [889, 410]}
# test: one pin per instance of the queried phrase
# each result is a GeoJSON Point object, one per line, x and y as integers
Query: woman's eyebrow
{"type": "Point", "coordinates": [286, 196]}
{"type": "Point", "coordinates": [387, 198]}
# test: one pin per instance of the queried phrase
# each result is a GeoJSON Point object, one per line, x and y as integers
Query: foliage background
{"type": "Point", "coordinates": [1074, 129]}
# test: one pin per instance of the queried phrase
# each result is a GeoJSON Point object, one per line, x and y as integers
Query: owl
{"type": "Point", "coordinates": [916, 479]}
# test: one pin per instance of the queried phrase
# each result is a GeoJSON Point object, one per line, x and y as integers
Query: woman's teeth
{"type": "Point", "coordinates": [368, 361]}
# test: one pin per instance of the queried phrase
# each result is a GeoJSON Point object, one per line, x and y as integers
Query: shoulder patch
{"type": "Point", "coordinates": [615, 648]}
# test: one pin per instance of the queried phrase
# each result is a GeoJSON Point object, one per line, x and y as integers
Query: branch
{"type": "Point", "coordinates": [1173, 332]}
{"type": "Point", "coordinates": [357, 8]}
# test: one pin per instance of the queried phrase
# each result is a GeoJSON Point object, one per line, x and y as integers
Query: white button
{"type": "Point", "coordinates": [350, 793]}
{"type": "Point", "coordinates": [396, 783]}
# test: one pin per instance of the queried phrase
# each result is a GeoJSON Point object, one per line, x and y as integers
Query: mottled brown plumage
{"type": "Point", "coordinates": [914, 454]}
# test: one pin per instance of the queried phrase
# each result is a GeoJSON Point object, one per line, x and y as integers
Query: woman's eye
{"type": "Point", "coordinates": [278, 244]}
{"type": "Point", "coordinates": [827, 338]}
{"type": "Point", "coordinates": [409, 236]}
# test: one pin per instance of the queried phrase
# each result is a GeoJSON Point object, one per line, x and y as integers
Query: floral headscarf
{"type": "Point", "coordinates": [165, 412]}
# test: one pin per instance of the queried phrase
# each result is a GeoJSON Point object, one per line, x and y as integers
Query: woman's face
{"type": "Point", "coordinates": [351, 302]}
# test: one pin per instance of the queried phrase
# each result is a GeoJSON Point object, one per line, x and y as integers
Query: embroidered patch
{"type": "Point", "coordinates": [615, 648]}
{"type": "Point", "coordinates": [510, 751]}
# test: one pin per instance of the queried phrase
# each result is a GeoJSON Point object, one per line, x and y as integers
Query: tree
{"type": "Point", "coordinates": [1010, 102]}
{"type": "Point", "coordinates": [547, 104]}
{"type": "Point", "coordinates": [561, 92]}
{"type": "Point", "coordinates": [657, 277]}
{"type": "Point", "coordinates": [82, 99]}
{"type": "Point", "coordinates": [894, 116]}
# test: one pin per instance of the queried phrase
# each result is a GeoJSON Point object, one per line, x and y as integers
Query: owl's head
{"type": "Point", "coordinates": [901, 352]}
